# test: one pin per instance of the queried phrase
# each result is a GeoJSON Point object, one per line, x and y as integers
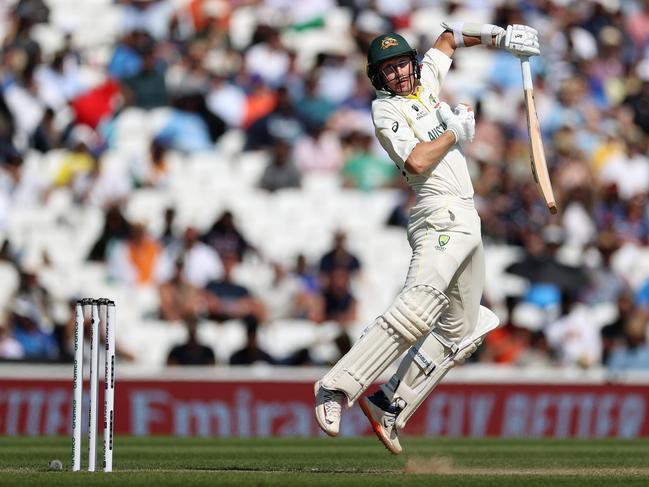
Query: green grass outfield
{"type": "Point", "coordinates": [163, 461]}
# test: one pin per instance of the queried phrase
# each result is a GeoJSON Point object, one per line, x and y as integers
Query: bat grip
{"type": "Point", "coordinates": [527, 73]}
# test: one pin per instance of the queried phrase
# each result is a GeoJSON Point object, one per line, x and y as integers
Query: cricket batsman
{"type": "Point", "coordinates": [437, 317]}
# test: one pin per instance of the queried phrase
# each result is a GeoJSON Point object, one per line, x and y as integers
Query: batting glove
{"type": "Point", "coordinates": [460, 122]}
{"type": "Point", "coordinates": [520, 40]}
{"type": "Point", "coordinates": [467, 117]}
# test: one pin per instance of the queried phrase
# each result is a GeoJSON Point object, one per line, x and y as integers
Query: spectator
{"type": "Point", "coordinates": [192, 352]}
{"type": "Point", "coordinates": [319, 150]}
{"type": "Point", "coordinates": [20, 186]}
{"type": "Point", "coordinates": [116, 229]}
{"type": "Point", "coordinates": [282, 123]}
{"type": "Point", "coordinates": [339, 257]}
{"type": "Point", "coordinates": [227, 100]}
{"type": "Point", "coordinates": [79, 160]}
{"type": "Point", "coordinates": [339, 302]}
{"type": "Point", "coordinates": [151, 16]}
{"type": "Point", "coordinates": [225, 237]}
{"type": "Point", "coordinates": [193, 103]}
{"type": "Point", "coordinates": [185, 131]}
{"type": "Point", "coordinates": [60, 81]}
{"type": "Point", "coordinates": [634, 227]}
{"type": "Point", "coordinates": [178, 298]}
{"type": "Point", "coordinates": [137, 260]}
{"type": "Point", "coordinates": [103, 185]}
{"type": "Point", "coordinates": [336, 77]}
{"type": "Point", "coordinates": [46, 137]}
{"type": "Point", "coordinates": [268, 58]}
{"type": "Point", "coordinates": [308, 300]}
{"type": "Point", "coordinates": [629, 171]}
{"type": "Point", "coordinates": [281, 172]}
{"type": "Point", "coordinates": [281, 295]}
{"type": "Point", "coordinates": [506, 344]}
{"type": "Point", "coordinates": [613, 334]}
{"type": "Point", "coordinates": [146, 89]}
{"type": "Point", "coordinates": [200, 262]}
{"type": "Point", "coordinates": [306, 274]}
{"type": "Point", "coordinates": [32, 299]}
{"type": "Point", "coordinates": [10, 348]}
{"type": "Point", "coordinates": [605, 285]}
{"type": "Point", "coordinates": [260, 101]}
{"type": "Point", "coordinates": [153, 171]}
{"type": "Point", "coordinates": [577, 220]}
{"type": "Point", "coordinates": [634, 353]}
{"type": "Point", "coordinates": [169, 237]}
{"type": "Point", "coordinates": [609, 210]}
{"type": "Point", "coordinates": [642, 295]}
{"type": "Point", "coordinates": [575, 337]}
{"type": "Point", "coordinates": [23, 102]}
{"type": "Point", "coordinates": [251, 354]}
{"type": "Point", "coordinates": [227, 300]}
{"type": "Point", "coordinates": [36, 342]}
{"type": "Point", "coordinates": [7, 124]}
{"type": "Point", "coordinates": [401, 212]}
{"type": "Point", "coordinates": [313, 109]}
{"type": "Point", "coordinates": [638, 25]}
{"type": "Point", "coordinates": [363, 169]}
{"type": "Point", "coordinates": [126, 60]}
{"type": "Point", "coordinates": [638, 101]}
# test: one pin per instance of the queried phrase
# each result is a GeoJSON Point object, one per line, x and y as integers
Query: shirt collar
{"type": "Point", "coordinates": [387, 94]}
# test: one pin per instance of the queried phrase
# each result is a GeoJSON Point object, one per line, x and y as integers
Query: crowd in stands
{"type": "Point", "coordinates": [288, 78]}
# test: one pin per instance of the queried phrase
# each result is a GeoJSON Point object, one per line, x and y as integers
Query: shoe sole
{"type": "Point", "coordinates": [333, 434]}
{"type": "Point", "coordinates": [376, 427]}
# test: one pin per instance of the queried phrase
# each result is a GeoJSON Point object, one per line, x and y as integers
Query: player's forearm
{"type": "Point", "coordinates": [447, 44]}
{"type": "Point", "coordinates": [520, 40]}
{"type": "Point", "coordinates": [425, 155]}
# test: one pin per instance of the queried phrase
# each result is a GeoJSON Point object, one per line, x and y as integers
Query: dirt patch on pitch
{"type": "Point", "coordinates": [438, 465]}
{"type": "Point", "coordinates": [444, 466]}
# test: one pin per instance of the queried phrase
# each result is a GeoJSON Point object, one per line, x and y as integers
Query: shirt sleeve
{"type": "Point", "coordinates": [393, 132]}
{"type": "Point", "coordinates": [434, 68]}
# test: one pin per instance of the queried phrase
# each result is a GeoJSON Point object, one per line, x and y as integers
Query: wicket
{"type": "Point", "coordinates": [109, 382]}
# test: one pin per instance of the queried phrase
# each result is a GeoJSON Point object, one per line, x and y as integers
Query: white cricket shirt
{"type": "Point", "coordinates": [401, 122]}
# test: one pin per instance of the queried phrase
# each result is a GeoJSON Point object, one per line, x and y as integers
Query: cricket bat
{"type": "Point", "coordinates": [537, 156]}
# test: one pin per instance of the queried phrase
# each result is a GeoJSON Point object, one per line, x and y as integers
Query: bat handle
{"type": "Point", "coordinates": [527, 73]}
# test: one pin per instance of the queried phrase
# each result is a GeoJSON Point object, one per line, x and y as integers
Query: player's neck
{"type": "Point", "coordinates": [415, 92]}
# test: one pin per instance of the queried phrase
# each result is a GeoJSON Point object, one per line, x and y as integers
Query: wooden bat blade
{"type": "Point", "coordinates": [537, 155]}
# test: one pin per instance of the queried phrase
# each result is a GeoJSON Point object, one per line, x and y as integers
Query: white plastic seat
{"type": "Point", "coordinates": [224, 338]}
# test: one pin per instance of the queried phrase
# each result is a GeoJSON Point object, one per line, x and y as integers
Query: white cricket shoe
{"type": "Point", "coordinates": [382, 416]}
{"type": "Point", "coordinates": [328, 409]}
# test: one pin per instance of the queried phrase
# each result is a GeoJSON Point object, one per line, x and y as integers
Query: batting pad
{"type": "Point", "coordinates": [414, 312]}
{"type": "Point", "coordinates": [426, 365]}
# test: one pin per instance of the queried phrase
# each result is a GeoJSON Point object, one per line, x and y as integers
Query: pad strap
{"type": "Point", "coordinates": [415, 388]}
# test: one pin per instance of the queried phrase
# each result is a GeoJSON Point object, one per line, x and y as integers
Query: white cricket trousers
{"type": "Point", "coordinates": [447, 253]}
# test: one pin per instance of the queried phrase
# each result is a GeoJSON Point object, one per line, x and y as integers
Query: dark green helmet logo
{"type": "Point", "coordinates": [389, 42]}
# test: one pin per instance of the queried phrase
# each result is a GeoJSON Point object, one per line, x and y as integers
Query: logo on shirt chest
{"type": "Point", "coordinates": [419, 111]}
